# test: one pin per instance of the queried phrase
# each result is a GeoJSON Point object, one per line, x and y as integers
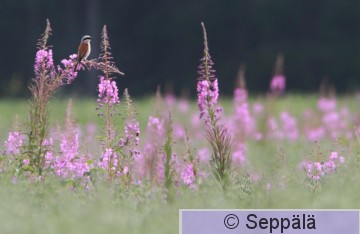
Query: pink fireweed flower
{"type": "Point", "coordinates": [207, 88]}
{"type": "Point", "coordinates": [333, 162]}
{"type": "Point", "coordinates": [208, 93]}
{"type": "Point", "coordinates": [14, 142]}
{"type": "Point", "coordinates": [160, 166]}
{"type": "Point", "coordinates": [108, 92]}
{"type": "Point", "coordinates": [195, 122]}
{"type": "Point", "coordinates": [156, 125]}
{"type": "Point", "coordinates": [334, 156]}
{"type": "Point", "coordinates": [26, 161]}
{"type": "Point", "coordinates": [258, 108]}
{"type": "Point", "coordinates": [139, 165]}
{"type": "Point", "coordinates": [147, 161]}
{"type": "Point", "coordinates": [70, 145]}
{"type": "Point", "coordinates": [170, 99]}
{"type": "Point", "coordinates": [289, 126]}
{"type": "Point", "coordinates": [43, 61]}
{"type": "Point", "coordinates": [143, 160]}
{"type": "Point", "coordinates": [132, 132]}
{"type": "Point", "coordinates": [277, 84]}
{"type": "Point", "coordinates": [188, 176]}
{"type": "Point", "coordinates": [326, 104]}
{"type": "Point", "coordinates": [243, 119]}
{"type": "Point", "coordinates": [204, 154]}
{"type": "Point", "coordinates": [179, 131]}
{"type": "Point", "coordinates": [329, 166]}
{"type": "Point", "coordinates": [68, 72]}
{"type": "Point", "coordinates": [49, 155]}
{"type": "Point", "coordinates": [126, 170]}
{"type": "Point", "coordinates": [273, 129]}
{"type": "Point", "coordinates": [70, 164]}
{"type": "Point", "coordinates": [239, 154]}
{"type": "Point", "coordinates": [315, 134]}
{"type": "Point", "coordinates": [109, 157]}
{"type": "Point", "coordinates": [314, 170]}
{"type": "Point", "coordinates": [183, 106]}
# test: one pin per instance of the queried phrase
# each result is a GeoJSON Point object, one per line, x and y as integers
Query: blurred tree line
{"type": "Point", "coordinates": [160, 41]}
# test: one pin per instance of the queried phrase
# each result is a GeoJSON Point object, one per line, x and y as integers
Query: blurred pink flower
{"type": "Point", "coordinates": [245, 124]}
{"type": "Point", "coordinates": [179, 131]}
{"type": "Point", "coordinates": [183, 106]}
{"type": "Point", "coordinates": [315, 134]}
{"type": "Point", "coordinates": [258, 108]}
{"type": "Point", "coordinates": [170, 99]}
{"type": "Point", "coordinates": [277, 84]}
{"type": "Point", "coordinates": [109, 158]}
{"type": "Point", "coordinates": [289, 126]}
{"type": "Point", "coordinates": [26, 161]}
{"type": "Point", "coordinates": [326, 104]}
{"type": "Point", "coordinates": [14, 142]}
{"type": "Point", "coordinates": [239, 154]}
{"type": "Point", "coordinates": [316, 170]}
{"type": "Point", "coordinates": [273, 129]}
{"type": "Point", "coordinates": [132, 132]}
{"type": "Point", "coordinates": [204, 154]}
{"type": "Point", "coordinates": [156, 126]}
{"type": "Point", "coordinates": [187, 175]}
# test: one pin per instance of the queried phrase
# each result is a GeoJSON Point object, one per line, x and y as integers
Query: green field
{"type": "Point", "coordinates": [272, 179]}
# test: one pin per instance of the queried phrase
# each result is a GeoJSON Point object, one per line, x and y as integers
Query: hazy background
{"type": "Point", "coordinates": [160, 42]}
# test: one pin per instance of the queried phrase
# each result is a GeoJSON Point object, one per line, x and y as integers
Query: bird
{"type": "Point", "coordinates": [83, 50]}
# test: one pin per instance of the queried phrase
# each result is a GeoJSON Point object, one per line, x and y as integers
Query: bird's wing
{"type": "Point", "coordinates": [83, 47]}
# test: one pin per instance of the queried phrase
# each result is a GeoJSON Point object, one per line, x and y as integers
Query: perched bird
{"type": "Point", "coordinates": [84, 49]}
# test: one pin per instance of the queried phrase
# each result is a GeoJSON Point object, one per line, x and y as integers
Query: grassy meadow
{"type": "Point", "coordinates": [272, 176]}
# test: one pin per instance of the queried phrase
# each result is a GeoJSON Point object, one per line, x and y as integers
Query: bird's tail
{"type": "Point", "coordinates": [76, 66]}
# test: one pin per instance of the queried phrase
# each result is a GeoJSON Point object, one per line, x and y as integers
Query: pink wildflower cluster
{"type": "Point", "coordinates": [160, 167]}
{"type": "Point", "coordinates": [146, 162]}
{"type": "Point", "coordinates": [108, 92]}
{"type": "Point", "coordinates": [273, 129]}
{"type": "Point", "coordinates": [14, 142]}
{"type": "Point", "coordinates": [70, 164]}
{"type": "Point", "coordinates": [316, 170]}
{"type": "Point", "coordinates": [239, 153]}
{"type": "Point", "coordinates": [68, 71]}
{"type": "Point", "coordinates": [109, 157]}
{"type": "Point", "coordinates": [286, 130]}
{"type": "Point", "coordinates": [326, 104]}
{"type": "Point", "coordinates": [132, 132]}
{"type": "Point", "coordinates": [204, 155]}
{"type": "Point", "coordinates": [43, 61]}
{"type": "Point", "coordinates": [208, 93]}
{"type": "Point", "coordinates": [243, 118]}
{"type": "Point", "coordinates": [187, 175]}
{"type": "Point", "coordinates": [44, 64]}
{"type": "Point", "coordinates": [277, 84]}
{"type": "Point", "coordinates": [315, 134]}
{"type": "Point", "coordinates": [244, 125]}
{"type": "Point", "coordinates": [334, 123]}
{"type": "Point", "coordinates": [289, 126]}
{"type": "Point", "coordinates": [156, 126]}
{"type": "Point", "coordinates": [48, 144]}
